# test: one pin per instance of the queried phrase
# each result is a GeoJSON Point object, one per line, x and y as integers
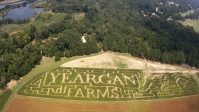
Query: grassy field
{"type": "Point", "coordinates": [47, 19]}
{"type": "Point", "coordinates": [10, 27]}
{"type": "Point", "coordinates": [24, 103]}
{"type": "Point", "coordinates": [109, 85]}
{"type": "Point", "coordinates": [194, 23]}
{"type": "Point", "coordinates": [187, 13]}
{"type": "Point", "coordinates": [45, 65]}
{"type": "Point", "coordinates": [189, 22]}
{"type": "Point", "coordinates": [4, 97]}
{"type": "Point", "coordinates": [38, 4]}
{"type": "Point", "coordinates": [120, 64]}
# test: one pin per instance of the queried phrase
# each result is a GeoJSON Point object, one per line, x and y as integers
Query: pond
{"type": "Point", "coordinates": [23, 12]}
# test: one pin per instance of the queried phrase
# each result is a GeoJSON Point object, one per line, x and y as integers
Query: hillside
{"type": "Point", "coordinates": [146, 29]}
{"type": "Point", "coordinates": [31, 102]}
{"type": "Point", "coordinates": [122, 26]}
{"type": "Point", "coordinates": [118, 60]}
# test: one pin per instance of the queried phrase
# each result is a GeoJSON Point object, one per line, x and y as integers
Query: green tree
{"type": "Point", "coordinates": [57, 56]}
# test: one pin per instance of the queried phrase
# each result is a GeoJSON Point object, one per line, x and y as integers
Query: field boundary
{"type": "Point", "coordinates": [49, 64]}
{"type": "Point", "coordinates": [151, 100]}
{"type": "Point", "coordinates": [45, 65]}
{"type": "Point", "coordinates": [109, 84]}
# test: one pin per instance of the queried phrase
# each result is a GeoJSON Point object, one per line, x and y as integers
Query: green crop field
{"type": "Point", "coordinates": [109, 85]}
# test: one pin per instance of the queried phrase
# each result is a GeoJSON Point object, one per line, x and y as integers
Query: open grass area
{"type": "Point", "coordinates": [10, 27]}
{"type": "Point", "coordinates": [187, 13]}
{"type": "Point", "coordinates": [47, 19]}
{"type": "Point", "coordinates": [194, 23]}
{"type": "Point", "coordinates": [111, 89]}
{"type": "Point", "coordinates": [120, 64]}
{"type": "Point", "coordinates": [109, 85]}
{"type": "Point", "coordinates": [172, 3]}
{"type": "Point", "coordinates": [4, 97]}
{"type": "Point", "coordinates": [45, 65]}
{"type": "Point", "coordinates": [38, 4]}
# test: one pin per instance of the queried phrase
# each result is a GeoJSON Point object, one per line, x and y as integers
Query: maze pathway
{"type": "Point", "coordinates": [109, 84]}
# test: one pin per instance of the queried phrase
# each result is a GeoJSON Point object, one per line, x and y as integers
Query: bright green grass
{"type": "Point", "coordinates": [48, 20]}
{"type": "Point", "coordinates": [194, 23]}
{"type": "Point", "coordinates": [4, 97]}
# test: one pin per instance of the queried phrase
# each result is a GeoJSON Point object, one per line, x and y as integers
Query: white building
{"type": "Point", "coordinates": [83, 39]}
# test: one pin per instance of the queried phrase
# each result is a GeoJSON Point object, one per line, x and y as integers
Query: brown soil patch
{"type": "Point", "coordinates": [11, 84]}
{"type": "Point", "coordinates": [29, 104]}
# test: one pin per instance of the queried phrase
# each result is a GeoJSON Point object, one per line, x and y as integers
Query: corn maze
{"type": "Point", "coordinates": [109, 85]}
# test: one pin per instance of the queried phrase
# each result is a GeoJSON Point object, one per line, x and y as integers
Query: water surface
{"type": "Point", "coordinates": [22, 12]}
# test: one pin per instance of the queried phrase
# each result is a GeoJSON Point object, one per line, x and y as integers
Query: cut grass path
{"type": "Point", "coordinates": [45, 65]}
{"type": "Point", "coordinates": [18, 30]}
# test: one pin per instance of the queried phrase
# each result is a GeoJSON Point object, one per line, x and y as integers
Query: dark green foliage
{"type": "Point", "coordinates": [17, 56]}
{"type": "Point", "coordinates": [32, 32]}
{"type": "Point", "coordinates": [193, 15]}
{"type": "Point", "coordinates": [57, 58]}
{"type": "Point", "coordinates": [10, 21]}
{"type": "Point", "coordinates": [4, 35]}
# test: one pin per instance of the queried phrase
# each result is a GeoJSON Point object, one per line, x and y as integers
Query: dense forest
{"type": "Point", "coordinates": [144, 28]}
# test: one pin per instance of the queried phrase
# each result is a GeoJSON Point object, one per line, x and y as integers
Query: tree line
{"type": "Point", "coordinates": [115, 25]}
